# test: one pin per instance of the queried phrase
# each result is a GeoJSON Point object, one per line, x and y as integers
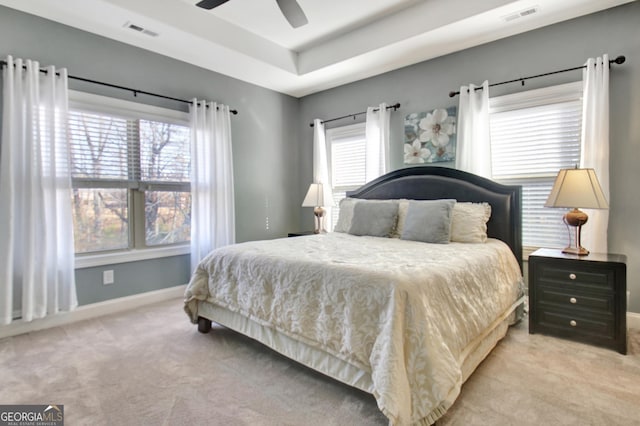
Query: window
{"type": "Point", "coordinates": [346, 155]}
{"type": "Point", "coordinates": [130, 175]}
{"type": "Point", "coordinates": [533, 135]}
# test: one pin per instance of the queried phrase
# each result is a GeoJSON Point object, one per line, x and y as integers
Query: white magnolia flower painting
{"type": "Point", "coordinates": [430, 137]}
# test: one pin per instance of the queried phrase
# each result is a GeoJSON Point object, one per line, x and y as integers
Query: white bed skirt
{"type": "Point", "coordinates": [339, 369]}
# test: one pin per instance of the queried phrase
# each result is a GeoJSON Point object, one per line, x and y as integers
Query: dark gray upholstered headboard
{"type": "Point", "coordinates": [432, 183]}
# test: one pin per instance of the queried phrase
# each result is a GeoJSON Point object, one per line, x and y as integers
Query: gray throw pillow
{"type": "Point", "coordinates": [428, 221]}
{"type": "Point", "coordinates": [374, 218]}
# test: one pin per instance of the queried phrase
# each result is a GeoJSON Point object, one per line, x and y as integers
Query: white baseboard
{"type": "Point", "coordinates": [93, 310]}
{"type": "Point", "coordinates": [633, 320]}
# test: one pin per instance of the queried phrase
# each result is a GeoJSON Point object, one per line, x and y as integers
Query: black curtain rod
{"type": "Point", "coordinates": [394, 106]}
{"type": "Point", "coordinates": [115, 86]}
{"type": "Point", "coordinates": [618, 60]}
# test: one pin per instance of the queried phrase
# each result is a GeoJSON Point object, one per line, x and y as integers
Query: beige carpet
{"type": "Point", "coordinates": [152, 367]}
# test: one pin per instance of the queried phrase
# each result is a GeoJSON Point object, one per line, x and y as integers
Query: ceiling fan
{"type": "Point", "coordinates": [290, 9]}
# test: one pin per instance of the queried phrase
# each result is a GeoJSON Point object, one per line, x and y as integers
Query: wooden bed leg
{"type": "Point", "coordinates": [204, 325]}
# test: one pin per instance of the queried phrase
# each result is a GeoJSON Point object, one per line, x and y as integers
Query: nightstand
{"type": "Point", "coordinates": [299, 234]}
{"type": "Point", "coordinates": [582, 298]}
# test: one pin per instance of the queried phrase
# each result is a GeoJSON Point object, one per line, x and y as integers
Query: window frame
{"type": "Point", "coordinates": [139, 251]}
{"type": "Point", "coordinates": [529, 99]}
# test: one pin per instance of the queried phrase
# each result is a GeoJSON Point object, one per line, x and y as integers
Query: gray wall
{"type": "Point", "coordinates": [273, 141]}
{"type": "Point", "coordinates": [426, 85]}
{"type": "Point", "coordinates": [265, 144]}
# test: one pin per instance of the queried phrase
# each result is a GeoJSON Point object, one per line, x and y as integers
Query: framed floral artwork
{"type": "Point", "coordinates": [430, 137]}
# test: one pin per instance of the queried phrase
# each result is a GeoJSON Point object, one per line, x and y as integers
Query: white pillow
{"type": "Point", "coordinates": [345, 215]}
{"type": "Point", "coordinates": [469, 222]}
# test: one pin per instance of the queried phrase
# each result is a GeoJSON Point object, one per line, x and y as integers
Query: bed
{"type": "Point", "coordinates": [403, 319]}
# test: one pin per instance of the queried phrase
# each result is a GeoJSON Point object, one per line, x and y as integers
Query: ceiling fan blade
{"type": "Point", "coordinates": [210, 4]}
{"type": "Point", "coordinates": [293, 12]}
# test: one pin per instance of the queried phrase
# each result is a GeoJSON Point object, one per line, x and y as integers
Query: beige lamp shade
{"type": "Point", "coordinates": [316, 197]}
{"type": "Point", "coordinates": [577, 188]}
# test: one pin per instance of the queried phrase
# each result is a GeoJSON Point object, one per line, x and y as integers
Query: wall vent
{"type": "Point", "coordinates": [520, 14]}
{"type": "Point", "coordinates": [140, 29]}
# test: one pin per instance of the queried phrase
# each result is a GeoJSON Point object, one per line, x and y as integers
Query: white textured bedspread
{"type": "Point", "coordinates": [404, 311]}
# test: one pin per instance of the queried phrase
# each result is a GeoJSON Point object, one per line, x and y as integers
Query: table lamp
{"type": "Point", "coordinates": [316, 198]}
{"type": "Point", "coordinates": [576, 188]}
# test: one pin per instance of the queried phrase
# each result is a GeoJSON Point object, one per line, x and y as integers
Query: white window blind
{"type": "Point", "coordinates": [99, 148]}
{"type": "Point", "coordinates": [533, 135]}
{"type": "Point", "coordinates": [127, 153]}
{"type": "Point", "coordinates": [347, 148]}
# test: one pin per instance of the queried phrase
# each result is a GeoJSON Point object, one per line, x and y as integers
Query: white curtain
{"type": "Point", "coordinates": [473, 153]}
{"type": "Point", "coordinates": [595, 145]}
{"type": "Point", "coordinates": [36, 229]}
{"type": "Point", "coordinates": [212, 194]}
{"type": "Point", "coordinates": [377, 145]}
{"type": "Point", "coordinates": [321, 167]}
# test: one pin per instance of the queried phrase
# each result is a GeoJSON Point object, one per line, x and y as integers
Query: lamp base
{"type": "Point", "coordinates": [576, 218]}
{"type": "Point", "coordinates": [318, 212]}
{"type": "Point", "coordinates": [579, 251]}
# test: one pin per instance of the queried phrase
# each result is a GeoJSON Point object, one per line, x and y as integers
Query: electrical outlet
{"type": "Point", "coordinates": [107, 277]}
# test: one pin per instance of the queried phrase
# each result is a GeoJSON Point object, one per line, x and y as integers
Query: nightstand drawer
{"type": "Point", "coordinates": [577, 324]}
{"type": "Point", "coordinates": [583, 279]}
{"type": "Point", "coordinates": [569, 299]}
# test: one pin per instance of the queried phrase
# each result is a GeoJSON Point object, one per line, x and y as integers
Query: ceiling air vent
{"type": "Point", "coordinates": [140, 29]}
{"type": "Point", "coordinates": [520, 14]}
{"type": "Point", "coordinates": [529, 11]}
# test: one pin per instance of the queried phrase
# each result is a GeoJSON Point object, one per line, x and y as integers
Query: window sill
{"type": "Point", "coordinates": [92, 260]}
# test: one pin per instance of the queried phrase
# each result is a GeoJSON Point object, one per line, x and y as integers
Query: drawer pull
{"type": "Point", "coordinates": [572, 276]}
{"type": "Point", "coordinates": [573, 300]}
{"type": "Point", "coordinates": [573, 323]}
